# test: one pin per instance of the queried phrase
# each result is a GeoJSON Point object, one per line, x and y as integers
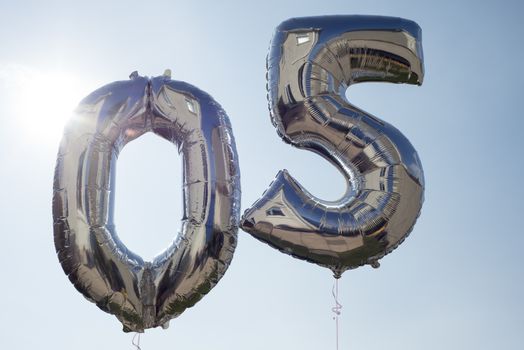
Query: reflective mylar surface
{"type": "Point", "coordinates": [311, 63]}
{"type": "Point", "coordinates": [139, 293]}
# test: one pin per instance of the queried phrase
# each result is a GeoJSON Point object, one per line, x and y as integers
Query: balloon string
{"type": "Point", "coordinates": [137, 343]}
{"type": "Point", "coordinates": [336, 309]}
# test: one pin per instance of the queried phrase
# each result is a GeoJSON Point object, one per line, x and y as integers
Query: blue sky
{"type": "Point", "coordinates": [455, 283]}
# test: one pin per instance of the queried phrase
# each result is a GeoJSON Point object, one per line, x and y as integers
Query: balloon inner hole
{"type": "Point", "coordinates": [148, 199]}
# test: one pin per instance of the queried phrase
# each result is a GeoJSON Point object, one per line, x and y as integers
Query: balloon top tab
{"type": "Point", "coordinates": [167, 73]}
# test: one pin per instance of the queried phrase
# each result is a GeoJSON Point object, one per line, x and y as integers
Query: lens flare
{"type": "Point", "coordinates": [40, 102]}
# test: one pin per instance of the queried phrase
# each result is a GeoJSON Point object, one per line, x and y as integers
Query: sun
{"type": "Point", "coordinates": [42, 102]}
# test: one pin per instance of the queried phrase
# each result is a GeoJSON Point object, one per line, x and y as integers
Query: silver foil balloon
{"type": "Point", "coordinates": [311, 63]}
{"type": "Point", "coordinates": [144, 294]}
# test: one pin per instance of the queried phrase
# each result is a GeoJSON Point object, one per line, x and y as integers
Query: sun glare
{"type": "Point", "coordinates": [42, 102]}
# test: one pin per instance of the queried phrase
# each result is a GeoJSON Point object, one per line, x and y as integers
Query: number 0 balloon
{"type": "Point", "coordinates": [311, 63]}
{"type": "Point", "coordinates": [145, 294]}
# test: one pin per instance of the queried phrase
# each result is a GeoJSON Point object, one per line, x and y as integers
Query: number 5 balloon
{"type": "Point", "coordinates": [146, 294]}
{"type": "Point", "coordinates": [311, 63]}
